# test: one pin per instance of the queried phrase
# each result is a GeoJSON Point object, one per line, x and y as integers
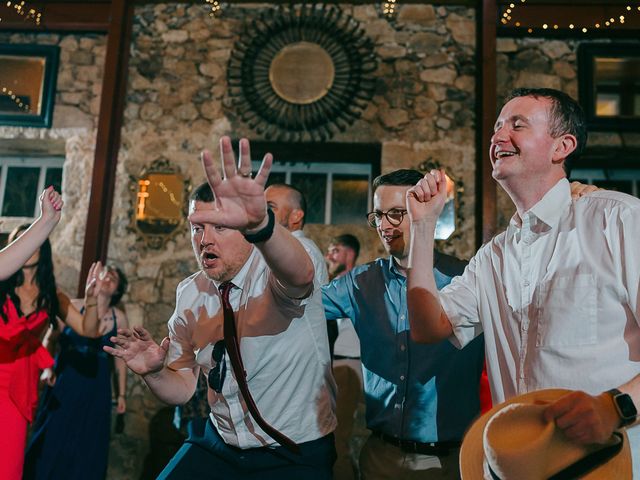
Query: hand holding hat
{"type": "Point", "coordinates": [584, 418]}
{"type": "Point", "coordinates": [515, 440]}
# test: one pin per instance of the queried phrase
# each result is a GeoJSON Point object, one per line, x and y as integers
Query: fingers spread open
{"type": "Point", "coordinates": [244, 162]}
{"type": "Point", "coordinates": [228, 157]}
{"type": "Point", "coordinates": [265, 169]}
{"type": "Point", "coordinates": [210, 169]}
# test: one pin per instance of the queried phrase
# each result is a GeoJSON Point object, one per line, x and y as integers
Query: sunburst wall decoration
{"type": "Point", "coordinates": [301, 72]}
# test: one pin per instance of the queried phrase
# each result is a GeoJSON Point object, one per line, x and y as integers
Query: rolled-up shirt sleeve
{"type": "Point", "coordinates": [337, 298]}
{"type": "Point", "coordinates": [622, 239]}
{"type": "Point", "coordinates": [181, 355]}
{"type": "Point", "coordinates": [459, 300]}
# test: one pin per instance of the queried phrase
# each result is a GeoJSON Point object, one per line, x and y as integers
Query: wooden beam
{"type": "Point", "coordinates": [486, 209]}
{"type": "Point", "coordinates": [59, 16]}
{"type": "Point", "coordinates": [114, 89]}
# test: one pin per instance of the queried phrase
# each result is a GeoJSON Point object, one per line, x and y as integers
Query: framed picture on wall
{"type": "Point", "coordinates": [609, 85]}
{"type": "Point", "coordinates": [28, 76]}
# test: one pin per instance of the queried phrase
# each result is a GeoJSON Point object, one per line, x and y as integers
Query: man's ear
{"type": "Point", "coordinates": [565, 145]}
{"type": "Point", "coordinates": [296, 216]}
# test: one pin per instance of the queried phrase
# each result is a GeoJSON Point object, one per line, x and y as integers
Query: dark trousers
{"type": "Point", "coordinates": [204, 455]}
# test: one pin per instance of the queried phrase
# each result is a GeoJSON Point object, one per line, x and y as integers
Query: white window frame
{"type": "Point", "coordinates": [43, 163]}
{"type": "Point", "coordinates": [328, 169]}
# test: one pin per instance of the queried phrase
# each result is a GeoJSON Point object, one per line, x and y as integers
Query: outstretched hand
{"type": "Point", "coordinates": [138, 350]}
{"type": "Point", "coordinates": [95, 280]}
{"type": "Point", "coordinates": [239, 199]}
{"type": "Point", "coordinates": [51, 205]}
{"type": "Point", "coordinates": [426, 199]}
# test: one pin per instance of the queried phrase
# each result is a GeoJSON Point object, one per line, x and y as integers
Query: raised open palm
{"type": "Point", "coordinates": [239, 199]}
{"type": "Point", "coordinates": [138, 350]}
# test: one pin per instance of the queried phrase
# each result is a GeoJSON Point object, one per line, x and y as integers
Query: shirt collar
{"type": "Point", "coordinates": [298, 234]}
{"type": "Point", "coordinates": [393, 267]}
{"type": "Point", "coordinates": [550, 207]}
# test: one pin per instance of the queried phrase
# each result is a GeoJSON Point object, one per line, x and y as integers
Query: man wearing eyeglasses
{"type": "Point", "coordinates": [419, 400]}
{"type": "Point", "coordinates": [246, 318]}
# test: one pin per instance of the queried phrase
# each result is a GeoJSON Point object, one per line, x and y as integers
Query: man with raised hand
{"type": "Point", "coordinates": [246, 319]}
{"type": "Point", "coordinates": [420, 399]}
{"type": "Point", "coordinates": [557, 294]}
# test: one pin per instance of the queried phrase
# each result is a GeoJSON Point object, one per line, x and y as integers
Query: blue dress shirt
{"type": "Point", "coordinates": [424, 393]}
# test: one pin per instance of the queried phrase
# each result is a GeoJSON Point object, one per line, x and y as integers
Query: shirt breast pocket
{"type": "Point", "coordinates": [567, 311]}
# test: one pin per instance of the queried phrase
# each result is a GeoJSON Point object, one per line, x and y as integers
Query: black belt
{"type": "Point", "coordinates": [343, 357]}
{"type": "Point", "coordinates": [434, 448]}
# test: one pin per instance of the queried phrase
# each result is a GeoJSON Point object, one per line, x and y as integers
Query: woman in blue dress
{"type": "Point", "coordinates": [70, 436]}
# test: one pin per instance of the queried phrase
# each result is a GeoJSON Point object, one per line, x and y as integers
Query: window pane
{"type": "Point", "coordinates": [20, 193]}
{"type": "Point", "coordinates": [314, 188]}
{"type": "Point", "coordinates": [349, 199]}
{"type": "Point", "coordinates": [624, 186]}
{"type": "Point", "coordinates": [53, 177]}
{"type": "Point", "coordinates": [276, 177]}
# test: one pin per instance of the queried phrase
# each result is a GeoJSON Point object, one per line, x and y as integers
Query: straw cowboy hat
{"type": "Point", "coordinates": [512, 441]}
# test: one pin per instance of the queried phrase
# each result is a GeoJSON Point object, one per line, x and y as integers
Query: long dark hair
{"type": "Point", "coordinates": [44, 278]}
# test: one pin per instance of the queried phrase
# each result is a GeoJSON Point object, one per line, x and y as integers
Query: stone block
{"type": "Point", "coordinates": [426, 42]}
{"type": "Point", "coordinates": [564, 70]}
{"type": "Point", "coordinates": [462, 29]}
{"type": "Point", "coordinates": [71, 117]}
{"type": "Point", "coordinates": [69, 43]}
{"type": "Point", "coordinates": [436, 60]}
{"type": "Point", "coordinates": [423, 15]}
{"type": "Point", "coordinates": [211, 69]}
{"type": "Point", "coordinates": [175, 36]}
{"type": "Point", "coordinates": [506, 45]}
{"type": "Point", "coordinates": [555, 49]}
{"type": "Point", "coordinates": [425, 107]}
{"type": "Point", "coordinates": [150, 111]}
{"type": "Point", "coordinates": [391, 51]}
{"type": "Point", "coordinates": [394, 117]}
{"type": "Point", "coordinates": [537, 80]}
{"type": "Point", "coordinates": [444, 75]}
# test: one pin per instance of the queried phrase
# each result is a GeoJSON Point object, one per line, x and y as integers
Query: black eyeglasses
{"type": "Point", "coordinates": [394, 217]}
{"type": "Point", "coordinates": [219, 367]}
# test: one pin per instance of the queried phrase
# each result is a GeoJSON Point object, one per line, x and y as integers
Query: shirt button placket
{"type": "Point", "coordinates": [525, 298]}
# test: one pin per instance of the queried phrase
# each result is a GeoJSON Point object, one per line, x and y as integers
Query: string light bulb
{"type": "Point", "coordinates": [216, 8]}
{"type": "Point", "coordinates": [16, 99]}
{"type": "Point", "coordinates": [21, 9]}
{"type": "Point", "coordinates": [389, 9]}
{"type": "Point", "coordinates": [509, 13]}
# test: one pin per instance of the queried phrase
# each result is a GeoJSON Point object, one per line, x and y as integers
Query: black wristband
{"type": "Point", "coordinates": [264, 234]}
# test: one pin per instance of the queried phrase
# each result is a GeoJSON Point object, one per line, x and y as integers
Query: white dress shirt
{"type": "Point", "coordinates": [557, 296]}
{"type": "Point", "coordinates": [320, 266]}
{"type": "Point", "coordinates": [284, 349]}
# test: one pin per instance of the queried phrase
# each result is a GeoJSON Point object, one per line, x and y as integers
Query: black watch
{"type": "Point", "coordinates": [624, 404]}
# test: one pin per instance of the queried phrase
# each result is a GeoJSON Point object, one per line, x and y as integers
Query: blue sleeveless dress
{"type": "Point", "coordinates": [70, 436]}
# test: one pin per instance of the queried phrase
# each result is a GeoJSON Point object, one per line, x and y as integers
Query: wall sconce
{"type": "Point", "coordinates": [160, 206]}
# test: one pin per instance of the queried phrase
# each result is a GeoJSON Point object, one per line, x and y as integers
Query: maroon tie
{"type": "Point", "coordinates": [232, 346]}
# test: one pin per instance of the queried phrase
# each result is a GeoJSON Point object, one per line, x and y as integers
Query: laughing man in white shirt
{"type": "Point", "coordinates": [557, 294]}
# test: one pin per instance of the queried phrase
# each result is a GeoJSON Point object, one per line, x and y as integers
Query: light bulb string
{"type": "Point", "coordinates": [508, 16]}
